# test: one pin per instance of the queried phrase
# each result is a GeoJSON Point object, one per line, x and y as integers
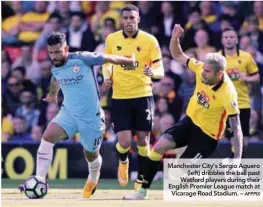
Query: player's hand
{"type": "Point", "coordinates": [148, 71]}
{"type": "Point", "coordinates": [243, 76]}
{"type": "Point", "coordinates": [107, 84]}
{"type": "Point", "coordinates": [50, 99]}
{"type": "Point", "coordinates": [177, 31]}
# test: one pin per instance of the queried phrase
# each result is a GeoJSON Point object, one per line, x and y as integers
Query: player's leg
{"type": "Point", "coordinates": [174, 137]}
{"type": "Point", "coordinates": [91, 139]}
{"type": "Point", "coordinates": [121, 117]}
{"type": "Point", "coordinates": [60, 127]}
{"type": "Point", "coordinates": [94, 161]}
{"type": "Point", "coordinates": [143, 125]}
{"type": "Point", "coordinates": [143, 146]}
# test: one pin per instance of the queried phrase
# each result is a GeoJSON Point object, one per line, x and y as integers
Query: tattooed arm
{"type": "Point", "coordinates": [238, 135]}
{"type": "Point", "coordinates": [53, 91]}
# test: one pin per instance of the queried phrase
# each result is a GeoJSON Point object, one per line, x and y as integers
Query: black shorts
{"type": "Point", "coordinates": [185, 132]}
{"type": "Point", "coordinates": [244, 120]}
{"type": "Point", "coordinates": [133, 114]}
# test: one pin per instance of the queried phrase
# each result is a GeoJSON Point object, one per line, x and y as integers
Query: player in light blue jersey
{"type": "Point", "coordinates": [80, 111]}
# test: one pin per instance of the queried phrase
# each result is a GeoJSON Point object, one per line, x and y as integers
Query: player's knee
{"type": "Point", "coordinates": [124, 143]}
{"type": "Point", "coordinates": [49, 137]}
{"type": "Point", "coordinates": [90, 156]}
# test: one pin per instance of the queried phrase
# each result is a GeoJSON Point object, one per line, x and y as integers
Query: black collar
{"type": "Point", "coordinates": [133, 36]}
{"type": "Point", "coordinates": [217, 86]}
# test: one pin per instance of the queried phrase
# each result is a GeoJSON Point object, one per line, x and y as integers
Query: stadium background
{"type": "Point", "coordinates": [26, 73]}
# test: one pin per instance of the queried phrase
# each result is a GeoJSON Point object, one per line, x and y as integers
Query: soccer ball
{"type": "Point", "coordinates": [35, 188]}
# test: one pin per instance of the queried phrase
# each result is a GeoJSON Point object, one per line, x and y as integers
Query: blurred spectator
{"type": "Point", "coordinates": [166, 122]}
{"type": "Point", "coordinates": [244, 42]}
{"type": "Point", "coordinates": [26, 61]}
{"type": "Point", "coordinates": [4, 75]}
{"type": "Point", "coordinates": [156, 132]}
{"type": "Point", "coordinates": [208, 15]}
{"type": "Point", "coordinates": [231, 8]}
{"type": "Point", "coordinates": [20, 72]}
{"type": "Point", "coordinates": [253, 32]}
{"type": "Point", "coordinates": [148, 18]}
{"type": "Point", "coordinates": [12, 95]}
{"type": "Point", "coordinates": [161, 106]}
{"type": "Point", "coordinates": [167, 21]}
{"type": "Point", "coordinates": [33, 22]}
{"type": "Point", "coordinates": [167, 90]}
{"type": "Point", "coordinates": [53, 25]}
{"type": "Point", "coordinates": [36, 133]}
{"type": "Point", "coordinates": [102, 12]}
{"type": "Point", "coordinates": [109, 135]}
{"type": "Point", "coordinates": [202, 41]}
{"type": "Point", "coordinates": [188, 83]}
{"type": "Point", "coordinates": [256, 96]}
{"type": "Point", "coordinates": [11, 25]}
{"type": "Point", "coordinates": [7, 124]}
{"type": "Point", "coordinates": [28, 109]}
{"type": "Point", "coordinates": [21, 130]}
{"type": "Point", "coordinates": [194, 23]}
{"type": "Point", "coordinates": [79, 36]}
{"type": "Point", "coordinates": [258, 12]}
{"type": "Point", "coordinates": [52, 111]}
{"type": "Point", "coordinates": [44, 82]}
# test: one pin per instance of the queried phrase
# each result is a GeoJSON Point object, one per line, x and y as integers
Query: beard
{"type": "Point", "coordinates": [60, 63]}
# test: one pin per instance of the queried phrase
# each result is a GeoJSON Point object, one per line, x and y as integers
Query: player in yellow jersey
{"type": "Point", "coordinates": [242, 70]}
{"type": "Point", "coordinates": [214, 100]}
{"type": "Point", "coordinates": [132, 99]}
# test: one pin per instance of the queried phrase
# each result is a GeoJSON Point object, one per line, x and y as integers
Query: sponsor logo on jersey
{"type": "Point", "coordinates": [203, 99]}
{"type": "Point", "coordinates": [70, 81]}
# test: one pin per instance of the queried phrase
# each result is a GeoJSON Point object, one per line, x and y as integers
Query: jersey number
{"type": "Point", "coordinates": [149, 114]}
{"type": "Point", "coordinates": [97, 141]}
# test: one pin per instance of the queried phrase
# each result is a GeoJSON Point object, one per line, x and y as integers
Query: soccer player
{"type": "Point", "coordinates": [80, 111]}
{"type": "Point", "coordinates": [214, 100]}
{"type": "Point", "coordinates": [242, 70]}
{"type": "Point", "coordinates": [132, 100]}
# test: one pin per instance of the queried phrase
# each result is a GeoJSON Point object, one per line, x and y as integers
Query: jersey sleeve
{"type": "Point", "coordinates": [195, 65]}
{"type": "Point", "coordinates": [156, 54]}
{"type": "Point", "coordinates": [91, 58]}
{"type": "Point", "coordinates": [229, 100]}
{"type": "Point", "coordinates": [252, 66]}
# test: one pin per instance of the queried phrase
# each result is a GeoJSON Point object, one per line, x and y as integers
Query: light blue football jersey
{"type": "Point", "coordinates": [79, 85]}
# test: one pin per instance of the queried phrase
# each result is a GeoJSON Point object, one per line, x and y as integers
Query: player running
{"type": "Point", "coordinates": [80, 111]}
{"type": "Point", "coordinates": [214, 100]}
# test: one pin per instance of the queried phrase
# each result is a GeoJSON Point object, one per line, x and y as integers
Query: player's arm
{"type": "Point", "coordinates": [175, 47]}
{"type": "Point", "coordinates": [119, 60]}
{"type": "Point", "coordinates": [53, 91]}
{"type": "Point", "coordinates": [253, 75]}
{"type": "Point", "coordinates": [228, 99]}
{"type": "Point", "coordinates": [238, 135]}
{"type": "Point", "coordinates": [155, 69]}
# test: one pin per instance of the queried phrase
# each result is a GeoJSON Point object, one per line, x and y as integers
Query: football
{"type": "Point", "coordinates": [35, 188]}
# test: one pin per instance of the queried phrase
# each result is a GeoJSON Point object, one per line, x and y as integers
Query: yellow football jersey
{"type": "Point", "coordinates": [242, 62]}
{"type": "Point", "coordinates": [210, 106]}
{"type": "Point", "coordinates": [130, 82]}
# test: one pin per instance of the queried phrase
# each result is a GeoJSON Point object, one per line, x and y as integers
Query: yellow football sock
{"type": "Point", "coordinates": [120, 149]}
{"type": "Point", "coordinates": [143, 150]}
{"type": "Point", "coordinates": [155, 156]}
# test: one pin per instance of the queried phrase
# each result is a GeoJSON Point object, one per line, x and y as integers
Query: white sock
{"type": "Point", "coordinates": [44, 158]}
{"type": "Point", "coordinates": [94, 169]}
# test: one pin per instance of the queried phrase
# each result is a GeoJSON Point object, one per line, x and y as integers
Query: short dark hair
{"type": "Point", "coordinates": [56, 38]}
{"type": "Point", "coordinates": [130, 7]}
{"type": "Point", "coordinates": [229, 29]}
{"type": "Point", "coordinates": [21, 69]}
{"type": "Point", "coordinates": [55, 15]}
